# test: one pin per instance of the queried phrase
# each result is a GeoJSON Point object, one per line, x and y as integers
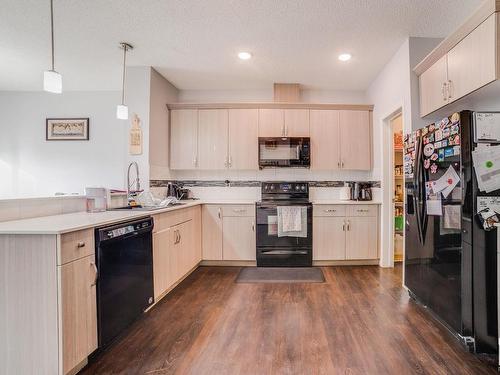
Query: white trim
{"type": "Point", "coordinates": [387, 227]}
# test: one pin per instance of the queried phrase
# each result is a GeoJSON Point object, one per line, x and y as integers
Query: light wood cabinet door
{"type": "Point", "coordinates": [183, 139]}
{"type": "Point", "coordinates": [243, 139]}
{"type": "Point", "coordinates": [472, 62]}
{"type": "Point", "coordinates": [325, 138]}
{"type": "Point", "coordinates": [297, 122]}
{"type": "Point", "coordinates": [329, 238]}
{"type": "Point", "coordinates": [361, 238]}
{"type": "Point", "coordinates": [433, 83]}
{"type": "Point", "coordinates": [186, 249]}
{"type": "Point", "coordinates": [271, 123]}
{"type": "Point", "coordinates": [239, 238]}
{"type": "Point", "coordinates": [161, 261]}
{"type": "Point", "coordinates": [213, 138]}
{"type": "Point", "coordinates": [211, 230]}
{"type": "Point", "coordinates": [79, 311]}
{"type": "Point", "coordinates": [355, 140]}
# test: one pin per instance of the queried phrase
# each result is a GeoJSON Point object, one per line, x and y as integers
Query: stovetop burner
{"type": "Point", "coordinates": [285, 191]}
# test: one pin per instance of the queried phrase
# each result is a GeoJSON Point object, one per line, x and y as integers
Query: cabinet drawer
{"type": "Point", "coordinates": [247, 210]}
{"type": "Point", "coordinates": [329, 210]}
{"type": "Point", "coordinates": [76, 245]}
{"type": "Point", "coordinates": [362, 210]}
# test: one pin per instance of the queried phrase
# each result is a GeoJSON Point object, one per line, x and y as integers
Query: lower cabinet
{"type": "Point", "coordinates": [345, 232]}
{"type": "Point", "coordinates": [176, 247]}
{"type": "Point", "coordinates": [79, 311]}
{"type": "Point", "coordinates": [229, 232]}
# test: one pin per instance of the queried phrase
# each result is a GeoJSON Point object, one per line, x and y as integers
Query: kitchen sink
{"type": "Point", "coordinates": [141, 208]}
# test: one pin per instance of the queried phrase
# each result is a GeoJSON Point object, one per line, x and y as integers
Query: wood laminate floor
{"type": "Point", "coordinates": [360, 321]}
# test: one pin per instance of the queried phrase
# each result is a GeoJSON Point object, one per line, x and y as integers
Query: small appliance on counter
{"type": "Point", "coordinates": [360, 191]}
{"type": "Point", "coordinates": [345, 192]}
{"type": "Point", "coordinates": [97, 199]}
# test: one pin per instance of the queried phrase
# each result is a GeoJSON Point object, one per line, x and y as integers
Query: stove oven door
{"type": "Point", "coordinates": [281, 251]}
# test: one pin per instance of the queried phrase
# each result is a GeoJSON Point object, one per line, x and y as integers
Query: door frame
{"type": "Point", "coordinates": [387, 248]}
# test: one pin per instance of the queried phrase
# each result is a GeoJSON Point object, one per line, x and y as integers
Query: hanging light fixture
{"type": "Point", "coordinates": [52, 80]}
{"type": "Point", "coordinates": [122, 109]}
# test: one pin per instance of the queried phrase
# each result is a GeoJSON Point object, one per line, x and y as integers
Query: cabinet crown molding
{"type": "Point", "coordinates": [273, 105]}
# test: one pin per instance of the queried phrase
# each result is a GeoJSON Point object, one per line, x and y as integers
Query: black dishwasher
{"type": "Point", "coordinates": [125, 275]}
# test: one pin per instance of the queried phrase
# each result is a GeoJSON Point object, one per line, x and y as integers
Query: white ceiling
{"type": "Point", "coordinates": [194, 43]}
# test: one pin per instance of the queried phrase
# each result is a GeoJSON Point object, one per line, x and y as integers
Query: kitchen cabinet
{"type": "Point", "coordinates": [184, 139]}
{"type": "Point", "coordinates": [162, 278]}
{"type": "Point", "coordinates": [238, 238]}
{"type": "Point", "coordinates": [433, 87]}
{"type": "Point", "coordinates": [296, 122]}
{"type": "Point", "coordinates": [472, 62]}
{"type": "Point", "coordinates": [274, 122]}
{"type": "Point", "coordinates": [213, 139]}
{"type": "Point", "coordinates": [325, 137]}
{"type": "Point", "coordinates": [361, 238]}
{"type": "Point", "coordinates": [229, 232]}
{"type": "Point", "coordinates": [465, 67]}
{"type": "Point", "coordinates": [271, 122]}
{"type": "Point", "coordinates": [329, 238]}
{"type": "Point", "coordinates": [355, 140]}
{"type": "Point", "coordinates": [345, 232]}
{"type": "Point", "coordinates": [176, 247]}
{"type": "Point", "coordinates": [79, 311]}
{"type": "Point", "coordinates": [211, 232]}
{"type": "Point", "coordinates": [243, 129]}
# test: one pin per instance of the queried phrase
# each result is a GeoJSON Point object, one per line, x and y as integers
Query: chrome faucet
{"type": "Point", "coordinates": [136, 181]}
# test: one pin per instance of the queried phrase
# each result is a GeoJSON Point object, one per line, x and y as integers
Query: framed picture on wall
{"type": "Point", "coordinates": [67, 129]}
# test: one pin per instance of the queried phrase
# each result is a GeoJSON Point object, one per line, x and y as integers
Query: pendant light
{"type": "Point", "coordinates": [52, 80]}
{"type": "Point", "coordinates": [122, 109]}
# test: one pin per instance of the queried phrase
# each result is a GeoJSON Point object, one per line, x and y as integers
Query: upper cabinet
{"type": "Point", "coordinates": [283, 122]}
{"type": "Point", "coordinates": [460, 65]}
{"type": "Point", "coordinates": [184, 139]}
{"type": "Point", "coordinates": [212, 139]}
{"type": "Point", "coordinates": [296, 123]}
{"type": "Point", "coordinates": [271, 122]}
{"type": "Point", "coordinates": [226, 137]}
{"type": "Point", "coordinates": [355, 140]}
{"type": "Point", "coordinates": [243, 138]}
{"type": "Point", "coordinates": [433, 83]}
{"type": "Point", "coordinates": [325, 137]}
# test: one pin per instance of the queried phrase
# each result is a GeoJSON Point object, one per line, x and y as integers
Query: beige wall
{"type": "Point", "coordinates": [161, 93]}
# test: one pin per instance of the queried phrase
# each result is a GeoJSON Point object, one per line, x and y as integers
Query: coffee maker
{"type": "Point", "coordinates": [361, 191]}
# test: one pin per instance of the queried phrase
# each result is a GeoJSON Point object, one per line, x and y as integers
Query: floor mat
{"type": "Point", "coordinates": [280, 275]}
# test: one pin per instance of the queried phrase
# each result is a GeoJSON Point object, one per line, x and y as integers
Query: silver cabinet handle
{"type": "Point", "coordinates": [253, 226]}
{"type": "Point", "coordinates": [342, 164]}
{"type": "Point", "coordinates": [239, 210]}
{"type": "Point", "coordinates": [348, 225]}
{"type": "Point", "coordinates": [330, 210]}
{"type": "Point", "coordinates": [219, 213]}
{"type": "Point", "coordinates": [338, 164]}
{"type": "Point", "coordinates": [180, 237]}
{"type": "Point", "coordinates": [230, 161]}
{"type": "Point", "coordinates": [443, 91]}
{"type": "Point", "coordinates": [195, 161]}
{"type": "Point", "coordinates": [96, 273]}
{"type": "Point", "coordinates": [363, 210]}
{"type": "Point", "coordinates": [450, 89]}
{"type": "Point", "coordinates": [343, 226]}
{"type": "Point", "coordinates": [80, 244]}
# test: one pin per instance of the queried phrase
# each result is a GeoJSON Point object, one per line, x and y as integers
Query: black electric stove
{"type": "Point", "coordinates": [285, 251]}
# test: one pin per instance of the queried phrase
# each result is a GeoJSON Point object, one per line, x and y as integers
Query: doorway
{"type": "Point", "coordinates": [396, 124]}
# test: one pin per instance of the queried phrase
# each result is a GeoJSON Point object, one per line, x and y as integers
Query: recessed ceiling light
{"type": "Point", "coordinates": [245, 55]}
{"type": "Point", "coordinates": [345, 57]}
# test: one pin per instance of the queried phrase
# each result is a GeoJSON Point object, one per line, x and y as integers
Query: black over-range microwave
{"type": "Point", "coordinates": [279, 152]}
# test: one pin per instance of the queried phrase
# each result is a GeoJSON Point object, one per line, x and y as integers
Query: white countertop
{"type": "Point", "coordinates": [59, 224]}
{"type": "Point", "coordinates": [65, 223]}
{"type": "Point", "coordinates": [344, 202]}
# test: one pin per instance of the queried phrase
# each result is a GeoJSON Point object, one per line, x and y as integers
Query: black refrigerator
{"type": "Point", "coordinates": [450, 259]}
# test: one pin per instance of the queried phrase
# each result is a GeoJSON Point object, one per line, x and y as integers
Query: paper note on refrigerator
{"type": "Point", "coordinates": [434, 207]}
{"type": "Point", "coordinates": [452, 216]}
{"type": "Point", "coordinates": [487, 166]}
{"type": "Point", "coordinates": [487, 127]}
{"type": "Point", "coordinates": [446, 183]}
